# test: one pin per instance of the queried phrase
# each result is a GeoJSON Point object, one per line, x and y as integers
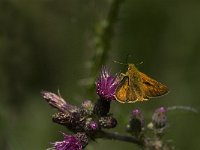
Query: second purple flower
{"type": "Point", "coordinates": [106, 85]}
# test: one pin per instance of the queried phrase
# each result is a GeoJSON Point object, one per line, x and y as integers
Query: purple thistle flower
{"type": "Point", "coordinates": [106, 85]}
{"type": "Point", "coordinates": [70, 142]}
{"type": "Point", "coordinates": [159, 117]}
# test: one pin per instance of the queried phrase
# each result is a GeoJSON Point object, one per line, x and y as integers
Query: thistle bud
{"type": "Point", "coordinates": [87, 107]}
{"type": "Point", "coordinates": [136, 122]}
{"type": "Point", "coordinates": [159, 118]}
{"type": "Point", "coordinates": [107, 122]}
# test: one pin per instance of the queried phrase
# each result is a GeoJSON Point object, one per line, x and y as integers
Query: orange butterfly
{"type": "Point", "coordinates": [137, 86]}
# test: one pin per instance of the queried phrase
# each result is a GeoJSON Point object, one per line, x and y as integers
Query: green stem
{"type": "Point", "coordinates": [119, 137]}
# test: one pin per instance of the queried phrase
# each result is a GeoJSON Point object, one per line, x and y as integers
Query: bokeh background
{"type": "Point", "coordinates": [47, 45]}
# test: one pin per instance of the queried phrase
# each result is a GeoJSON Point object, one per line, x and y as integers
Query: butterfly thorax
{"type": "Point", "coordinates": [133, 73]}
{"type": "Point", "coordinates": [135, 84]}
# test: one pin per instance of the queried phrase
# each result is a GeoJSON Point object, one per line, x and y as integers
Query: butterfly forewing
{"type": "Point", "coordinates": [135, 91]}
{"type": "Point", "coordinates": [151, 87]}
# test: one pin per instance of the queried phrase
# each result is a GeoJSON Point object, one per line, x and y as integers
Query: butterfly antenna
{"type": "Point", "coordinates": [139, 63]}
{"type": "Point", "coordinates": [119, 62]}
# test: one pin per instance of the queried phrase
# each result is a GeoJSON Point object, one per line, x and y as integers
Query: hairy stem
{"type": "Point", "coordinates": [104, 34]}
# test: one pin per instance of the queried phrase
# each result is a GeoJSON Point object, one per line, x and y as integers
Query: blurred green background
{"type": "Point", "coordinates": [47, 45]}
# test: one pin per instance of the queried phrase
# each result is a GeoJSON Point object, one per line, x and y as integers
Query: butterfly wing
{"type": "Point", "coordinates": [125, 93]}
{"type": "Point", "coordinates": [151, 87]}
{"type": "Point", "coordinates": [122, 89]}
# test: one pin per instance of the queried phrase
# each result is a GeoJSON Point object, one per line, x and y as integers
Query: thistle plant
{"type": "Point", "coordinates": [89, 121]}
{"type": "Point", "coordinates": [93, 119]}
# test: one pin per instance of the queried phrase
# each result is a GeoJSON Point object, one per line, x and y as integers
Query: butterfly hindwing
{"type": "Point", "coordinates": [122, 89]}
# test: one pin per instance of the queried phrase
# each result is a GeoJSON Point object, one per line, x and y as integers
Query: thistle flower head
{"type": "Point", "coordinates": [69, 143]}
{"type": "Point", "coordinates": [106, 85]}
{"type": "Point", "coordinates": [58, 102]}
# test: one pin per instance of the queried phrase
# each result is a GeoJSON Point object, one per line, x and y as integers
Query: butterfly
{"type": "Point", "coordinates": [137, 86]}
